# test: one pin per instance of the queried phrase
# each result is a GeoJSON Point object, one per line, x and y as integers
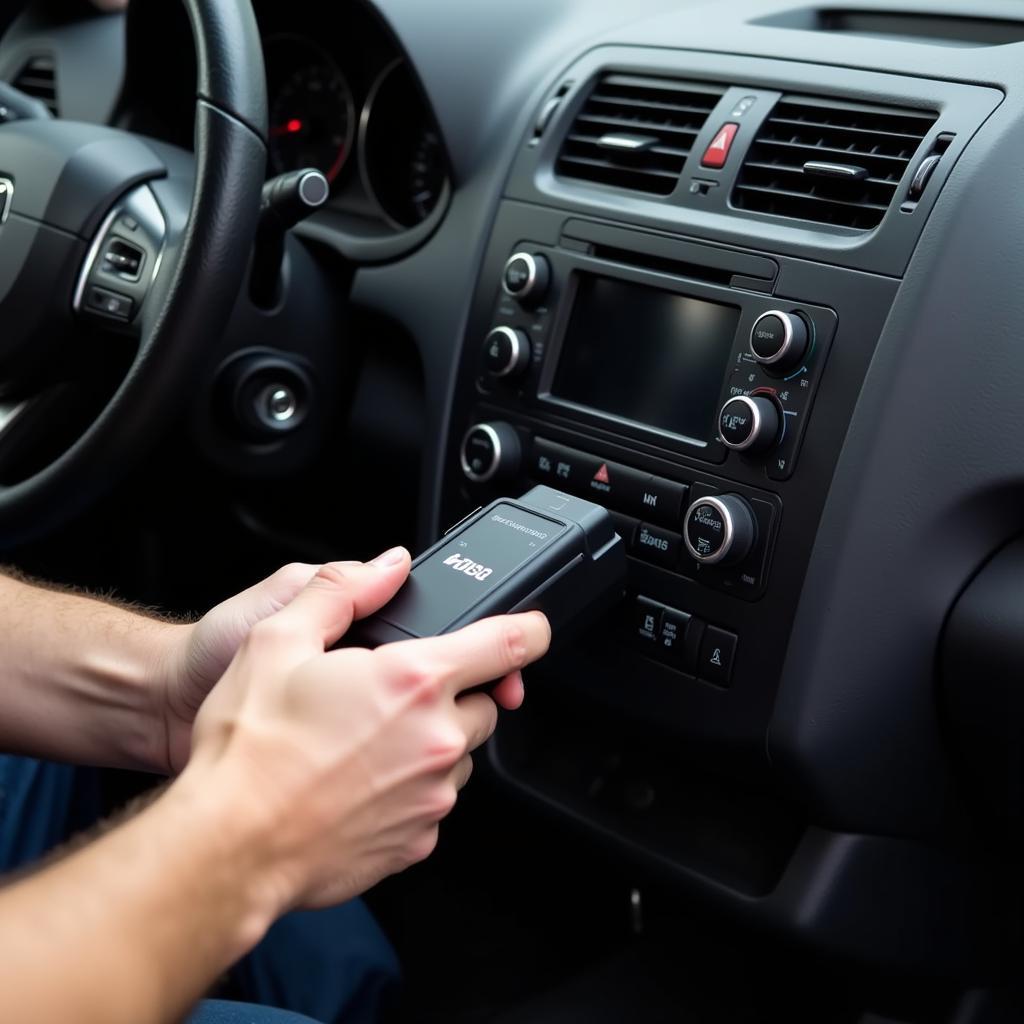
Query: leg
{"type": "Point", "coordinates": [217, 1011]}
{"type": "Point", "coordinates": [335, 965]}
{"type": "Point", "coordinates": [41, 805]}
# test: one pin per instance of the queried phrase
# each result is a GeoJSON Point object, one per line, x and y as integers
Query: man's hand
{"type": "Point", "coordinates": [314, 774]}
{"type": "Point", "coordinates": [198, 655]}
{"type": "Point", "coordinates": [345, 762]}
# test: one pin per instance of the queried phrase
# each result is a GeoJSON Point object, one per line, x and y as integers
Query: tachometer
{"type": "Point", "coordinates": [402, 156]}
{"type": "Point", "coordinates": [312, 118]}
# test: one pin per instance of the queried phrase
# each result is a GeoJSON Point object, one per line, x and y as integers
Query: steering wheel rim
{"type": "Point", "coordinates": [193, 298]}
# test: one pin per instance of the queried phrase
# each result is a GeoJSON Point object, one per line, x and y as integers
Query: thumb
{"type": "Point", "coordinates": [339, 592]}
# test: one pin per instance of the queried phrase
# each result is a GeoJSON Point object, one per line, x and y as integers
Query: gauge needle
{"type": "Point", "coordinates": [288, 128]}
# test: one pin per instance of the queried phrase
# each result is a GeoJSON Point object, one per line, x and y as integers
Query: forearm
{"type": "Point", "coordinates": [135, 927]}
{"type": "Point", "coordinates": [76, 678]}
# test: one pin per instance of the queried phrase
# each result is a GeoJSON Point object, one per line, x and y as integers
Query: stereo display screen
{"type": "Point", "coordinates": [645, 355]}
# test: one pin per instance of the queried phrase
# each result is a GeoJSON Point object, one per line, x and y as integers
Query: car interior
{"type": "Point", "coordinates": [747, 274]}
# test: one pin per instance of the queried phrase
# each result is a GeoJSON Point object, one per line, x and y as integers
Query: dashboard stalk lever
{"type": "Point", "coordinates": [286, 200]}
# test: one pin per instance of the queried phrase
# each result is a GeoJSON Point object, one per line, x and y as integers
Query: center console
{"type": "Point", "coordinates": [682, 335]}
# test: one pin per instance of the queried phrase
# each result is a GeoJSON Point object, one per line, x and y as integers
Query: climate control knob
{"type": "Point", "coordinates": [490, 451]}
{"type": "Point", "coordinates": [719, 530]}
{"type": "Point", "coordinates": [526, 277]}
{"type": "Point", "coordinates": [749, 423]}
{"type": "Point", "coordinates": [506, 352]}
{"type": "Point", "coordinates": [780, 340]}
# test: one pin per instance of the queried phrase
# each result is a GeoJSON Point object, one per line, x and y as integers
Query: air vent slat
{"type": "Point", "coordinates": [881, 141]}
{"type": "Point", "coordinates": [786, 169]}
{"type": "Point", "coordinates": [847, 152]}
{"type": "Point", "coordinates": [850, 129]}
{"type": "Point", "coordinates": [669, 113]}
{"type": "Point", "coordinates": [671, 152]}
{"type": "Point", "coordinates": [610, 123]}
{"type": "Point", "coordinates": [38, 78]}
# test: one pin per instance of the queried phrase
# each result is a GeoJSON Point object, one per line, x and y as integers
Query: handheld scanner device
{"type": "Point", "coordinates": [546, 551]}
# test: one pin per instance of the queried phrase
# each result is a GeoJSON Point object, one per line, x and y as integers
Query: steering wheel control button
{"type": "Point", "coordinates": [749, 423]}
{"type": "Point", "coordinates": [717, 153]}
{"type": "Point", "coordinates": [646, 622]}
{"type": "Point", "coordinates": [490, 451]}
{"type": "Point", "coordinates": [717, 654]}
{"type": "Point", "coordinates": [506, 352]}
{"type": "Point", "coordinates": [526, 278]}
{"type": "Point", "coordinates": [108, 303]}
{"type": "Point", "coordinates": [779, 340]}
{"type": "Point", "coordinates": [123, 258]}
{"type": "Point", "coordinates": [719, 530]}
{"type": "Point", "coordinates": [657, 545]}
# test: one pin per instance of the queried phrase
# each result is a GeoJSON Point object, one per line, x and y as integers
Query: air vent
{"type": "Point", "coordinates": [829, 162]}
{"type": "Point", "coordinates": [636, 133]}
{"type": "Point", "coordinates": [38, 78]}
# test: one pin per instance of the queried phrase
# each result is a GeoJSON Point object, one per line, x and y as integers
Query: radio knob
{"type": "Point", "coordinates": [490, 451]}
{"type": "Point", "coordinates": [506, 352]}
{"type": "Point", "coordinates": [749, 423]}
{"type": "Point", "coordinates": [719, 530]}
{"type": "Point", "coordinates": [780, 340]}
{"type": "Point", "coordinates": [526, 277]}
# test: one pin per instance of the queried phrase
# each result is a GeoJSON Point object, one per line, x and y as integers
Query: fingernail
{"type": "Point", "coordinates": [390, 558]}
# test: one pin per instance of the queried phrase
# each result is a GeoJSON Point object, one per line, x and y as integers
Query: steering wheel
{"type": "Point", "coordinates": [95, 242]}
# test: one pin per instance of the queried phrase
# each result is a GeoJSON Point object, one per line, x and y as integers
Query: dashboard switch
{"type": "Point", "coordinates": [506, 352]}
{"type": "Point", "coordinates": [717, 152]}
{"type": "Point", "coordinates": [717, 653]}
{"type": "Point", "coordinates": [646, 622]}
{"type": "Point", "coordinates": [779, 340]}
{"type": "Point", "coordinates": [656, 545]}
{"type": "Point", "coordinates": [749, 423]}
{"type": "Point", "coordinates": [719, 530]}
{"type": "Point", "coordinates": [490, 451]}
{"type": "Point", "coordinates": [526, 278]}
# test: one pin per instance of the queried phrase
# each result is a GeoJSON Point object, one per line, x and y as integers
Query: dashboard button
{"type": "Point", "coordinates": [679, 640]}
{"type": "Point", "coordinates": [720, 529]}
{"type": "Point", "coordinates": [506, 352]}
{"type": "Point", "coordinates": [490, 451]}
{"type": "Point", "coordinates": [646, 621]}
{"type": "Point", "coordinates": [717, 152]}
{"type": "Point", "coordinates": [614, 485]}
{"type": "Point", "coordinates": [659, 499]}
{"type": "Point", "coordinates": [526, 277]}
{"type": "Point", "coordinates": [717, 653]}
{"type": "Point", "coordinates": [750, 423]}
{"type": "Point", "coordinates": [565, 468]}
{"type": "Point", "coordinates": [779, 340]}
{"type": "Point", "coordinates": [657, 545]}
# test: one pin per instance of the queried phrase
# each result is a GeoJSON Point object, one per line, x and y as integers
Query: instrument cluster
{"type": "Point", "coordinates": [361, 120]}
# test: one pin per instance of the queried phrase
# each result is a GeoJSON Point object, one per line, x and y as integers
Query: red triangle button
{"type": "Point", "coordinates": [601, 476]}
{"type": "Point", "coordinates": [718, 152]}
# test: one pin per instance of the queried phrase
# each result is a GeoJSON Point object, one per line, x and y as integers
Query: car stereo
{"type": "Point", "coordinates": [692, 365]}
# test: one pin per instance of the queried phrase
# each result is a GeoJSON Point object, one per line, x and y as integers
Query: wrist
{"type": "Point", "coordinates": [231, 843]}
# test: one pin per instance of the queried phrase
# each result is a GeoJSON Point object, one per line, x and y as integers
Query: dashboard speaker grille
{"type": "Point", "coordinates": [829, 162]}
{"type": "Point", "coordinates": [636, 133]}
{"type": "Point", "coordinates": [38, 78]}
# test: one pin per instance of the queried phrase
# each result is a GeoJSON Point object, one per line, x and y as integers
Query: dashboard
{"type": "Point", "coordinates": [747, 274]}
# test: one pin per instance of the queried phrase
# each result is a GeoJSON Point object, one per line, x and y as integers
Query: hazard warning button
{"type": "Point", "coordinates": [718, 151]}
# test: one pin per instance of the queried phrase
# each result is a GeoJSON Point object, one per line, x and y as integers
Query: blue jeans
{"type": "Point", "coordinates": [332, 965]}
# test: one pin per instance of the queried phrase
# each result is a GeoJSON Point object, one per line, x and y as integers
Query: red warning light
{"type": "Point", "coordinates": [601, 476]}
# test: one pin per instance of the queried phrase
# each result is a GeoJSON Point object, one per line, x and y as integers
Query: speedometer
{"type": "Point", "coordinates": [312, 118]}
